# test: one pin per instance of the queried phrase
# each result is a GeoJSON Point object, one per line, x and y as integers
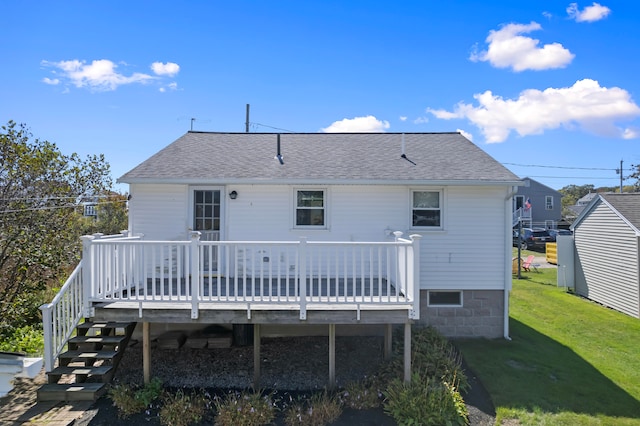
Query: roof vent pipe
{"type": "Point", "coordinates": [403, 155]}
{"type": "Point", "coordinates": [279, 155]}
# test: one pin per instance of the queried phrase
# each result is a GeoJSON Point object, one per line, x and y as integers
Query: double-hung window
{"type": "Point", "coordinates": [426, 209]}
{"type": "Point", "coordinates": [311, 208]}
{"type": "Point", "coordinates": [548, 202]}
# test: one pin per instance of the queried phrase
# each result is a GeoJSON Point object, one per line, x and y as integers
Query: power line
{"type": "Point", "coordinates": [574, 177]}
{"type": "Point", "coordinates": [271, 127]}
{"type": "Point", "coordinates": [563, 167]}
{"type": "Point", "coordinates": [72, 206]}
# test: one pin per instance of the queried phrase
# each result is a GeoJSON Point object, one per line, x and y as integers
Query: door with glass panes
{"type": "Point", "coordinates": [206, 220]}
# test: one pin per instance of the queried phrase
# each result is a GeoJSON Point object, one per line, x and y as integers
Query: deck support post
{"type": "Point", "coordinates": [332, 356]}
{"type": "Point", "coordinates": [256, 356]}
{"type": "Point", "coordinates": [388, 339]}
{"type": "Point", "coordinates": [146, 353]}
{"type": "Point", "coordinates": [407, 352]}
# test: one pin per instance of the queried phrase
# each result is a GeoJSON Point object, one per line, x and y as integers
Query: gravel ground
{"type": "Point", "coordinates": [289, 364]}
{"type": "Point", "coordinates": [293, 363]}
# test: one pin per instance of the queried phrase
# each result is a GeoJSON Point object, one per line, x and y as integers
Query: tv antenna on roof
{"type": "Point", "coordinates": [192, 119]}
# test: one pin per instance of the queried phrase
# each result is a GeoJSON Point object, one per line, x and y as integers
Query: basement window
{"type": "Point", "coordinates": [444, 298]}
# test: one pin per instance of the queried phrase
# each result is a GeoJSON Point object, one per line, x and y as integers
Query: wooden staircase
{"type": "Point", "coordinates": [92, 357]}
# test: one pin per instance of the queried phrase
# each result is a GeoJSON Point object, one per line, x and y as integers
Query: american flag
{"type": "Point", "coordinates": [527, 204]}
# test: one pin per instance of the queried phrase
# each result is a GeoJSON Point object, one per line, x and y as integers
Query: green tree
{"type": "Point", "coordinates": [111, 215]}
{"type": "Point", "coordinates": [39, 222]}
{"type": "Point", "coordinates": [636, 175]}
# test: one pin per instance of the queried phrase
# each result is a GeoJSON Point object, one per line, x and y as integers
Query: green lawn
{"type": "Point", "coordinates": [570, 361]}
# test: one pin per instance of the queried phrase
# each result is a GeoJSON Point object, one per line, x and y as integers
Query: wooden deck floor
{"type": "Point", "coordinates": [251, 300]}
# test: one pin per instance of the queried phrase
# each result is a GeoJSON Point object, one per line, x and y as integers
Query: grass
{"type": "Point", "coordinates": [570, 361]}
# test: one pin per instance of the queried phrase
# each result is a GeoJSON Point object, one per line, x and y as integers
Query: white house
{"type": "Point", "coordinates": [305, 230]}
{"type": "Point", "coordinates": [346, 187]}
{"type": "Point", "coordinates": [607, 252]}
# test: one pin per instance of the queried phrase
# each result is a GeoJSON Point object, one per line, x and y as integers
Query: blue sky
{"type": "Point", "coordinates": [533, 83]}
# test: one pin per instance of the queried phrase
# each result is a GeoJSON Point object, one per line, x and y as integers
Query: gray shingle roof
{"type": "Point", "coordinates": [203, 157]}
{"type": "Point", "coordinates": [628, 205]}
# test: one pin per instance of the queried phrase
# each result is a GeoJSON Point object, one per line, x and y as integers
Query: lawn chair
{"type": "Point", "coordinates": [527, 264]}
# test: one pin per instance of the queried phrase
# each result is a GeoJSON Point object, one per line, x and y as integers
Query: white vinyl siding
{"type": "Point", "coordinates": [607, 251]}
{"type": "Point", "coordinates": [468, 254]}
{"type": "Point", "coordinates": [159, 212]}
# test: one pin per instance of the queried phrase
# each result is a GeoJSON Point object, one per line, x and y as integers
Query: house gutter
{"type": "Point", "coordinates": [508, 203]}
{"type": "Point", "coordinates": [316, 181]}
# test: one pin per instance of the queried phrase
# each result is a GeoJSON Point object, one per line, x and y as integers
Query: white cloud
{"type": "Point", "coordinates": [630, 133]}
{"type": "Point", "coordinates": [585, 104]}
{"type": "Point", "coordinates": [592, 13]}
{"type": "Point", "coordinates": [421, 120]}
{"type": "Point", "coordinates": [403, 118]}
{"type": "Point", "coordinates": [169, 69]}
{"type": "Point", "coordinates": [171, 86]}
{"type": "Point", "coordinates": [509, 49]}
{"type": "Point", "coordinates": [368, 124]}
{"type": "Point", "coordinates": [103, 75]}
{"type": "Point", "coordinates": [465, 134]}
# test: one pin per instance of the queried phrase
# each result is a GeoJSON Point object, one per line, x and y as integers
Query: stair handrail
{"type": "Point", "coordinates": [61, 316]}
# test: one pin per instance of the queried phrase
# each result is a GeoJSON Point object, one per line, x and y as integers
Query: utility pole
{"type": "Point", "coordinates": [619, 171]}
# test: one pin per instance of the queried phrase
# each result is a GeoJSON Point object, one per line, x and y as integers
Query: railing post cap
{"type": "Point", "coordinates": [398, 234]}
{"type": "Point", "coordinates": [87, 237]}
{"type": "Point", "coordinates": [195, 235]}
{"type": "Point", "coordinates": [415, 236]}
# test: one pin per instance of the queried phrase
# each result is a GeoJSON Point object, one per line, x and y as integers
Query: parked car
{"type": "Point", "coordinates": [532, 238]}
{"type": "Point", "coordinates": [555, 232]}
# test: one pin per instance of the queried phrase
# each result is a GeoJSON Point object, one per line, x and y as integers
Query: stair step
{"type": "Point", "coordinates": [98, 325]}
{"type": "Point", "coordinates": [84, 371]}
{"type": "Point", "coordinates": [105, 340]}
{"type": "Point", "coordinates": [71, 355]}
{"type": "Point", "coordinates": [72, 392]}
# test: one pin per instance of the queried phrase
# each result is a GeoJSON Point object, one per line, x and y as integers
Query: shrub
{"type": "Point", "coordinates": [130, 401]}
{"type": "Point", "coordinates": [123, 397]}
{"type": "Point", "coordinates": [361, 395]}
{"type": "Point", "coordinates": [321, 409]}
{"type": "Point", "coordinates": [244, 409]}
{"type": "Point", "coordinates": [27, 339]}
{"type": "Point", "coordinates": [425, 401]}
{"type": "Point", "coordinates": [435, 355]}
{"type": "Point", "coordinates": [181, 409]}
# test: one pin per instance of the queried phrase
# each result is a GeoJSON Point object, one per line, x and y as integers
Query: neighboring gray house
{"type": "Point", "coordinates": [538, 205]}
{"type": "Point", "coordinates": [607, 252]}
{"type": "Point", "coordinates": [583, 202]}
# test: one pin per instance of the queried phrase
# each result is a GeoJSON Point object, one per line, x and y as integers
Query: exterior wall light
{"type": "Point", "coordinates": [233, 195]}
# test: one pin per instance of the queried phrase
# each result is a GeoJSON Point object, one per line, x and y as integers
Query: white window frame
{"type": "Point", "coordinates": [548, 202]}
{"type": "Point", "coordinates": [441, 208]}
{"type": "Point", "coordinates": [325, 207]}
{"type": "Point", "coordinates": [437, 305]}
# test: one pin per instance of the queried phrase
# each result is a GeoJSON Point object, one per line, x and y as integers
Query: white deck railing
{"type": "Point", "coordinates": [299, 275]}
{"type": "Point", "coordinates": [61, 316]}
{"type": "Point", "coordinates": [248, 272]}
